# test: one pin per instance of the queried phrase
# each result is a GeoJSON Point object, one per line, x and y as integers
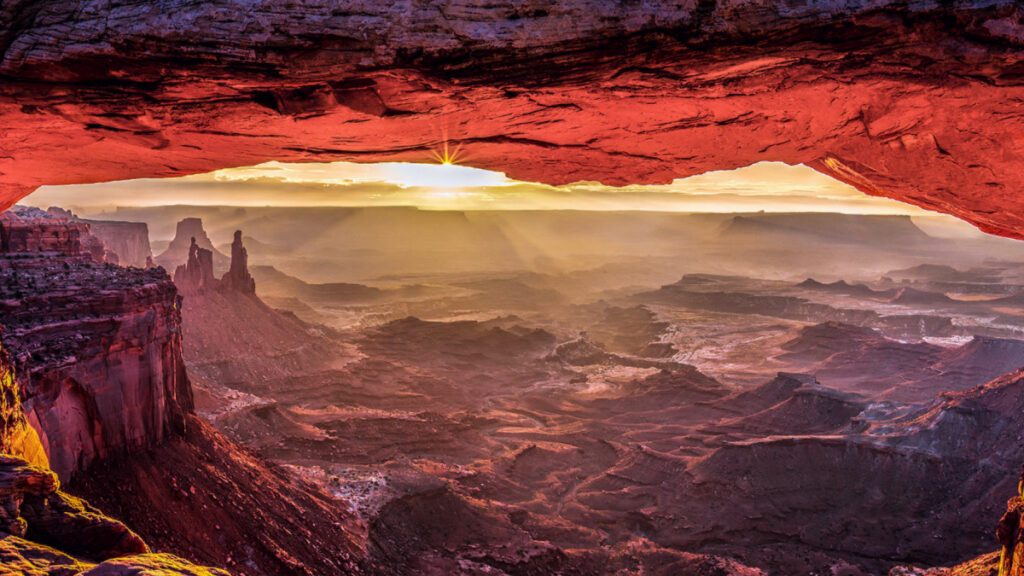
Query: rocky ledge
{"type": "Point", "coordinates": [44, 531]}
{"type": "Point", "coordinates": [96, 347]}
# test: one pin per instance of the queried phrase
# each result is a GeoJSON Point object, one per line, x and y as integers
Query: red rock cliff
{"type": "Point", "coordinates": [97, 348]}
{"type": "Point", "coordinates": [129, 240]}
{"type": "Point", "coordinates": [44, 530]}
{"type": "Point", "coordinates": [30, 230]}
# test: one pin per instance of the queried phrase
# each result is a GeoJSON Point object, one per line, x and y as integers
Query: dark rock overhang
{"type": "Point", "coordinates": [920, 101]}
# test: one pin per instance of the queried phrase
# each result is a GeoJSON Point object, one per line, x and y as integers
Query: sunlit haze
{"type": "Point", "coordinates": [768, 186]}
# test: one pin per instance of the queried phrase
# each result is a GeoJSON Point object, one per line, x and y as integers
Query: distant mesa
{"type": "Point", "coordinates": [273, 282]}
{"type": "Point", "coordinates": [914, 296]}
{"type": "Point", "coordinates": [178, 251]}
{"type": "Point", "coordinates": [824, 227]}
{"type": "Point", "coordinates": [845, 288]}
{"type": "Point", "coordinates": [128, 240]}
{"type": "Point", "coordinates": [937, 273]}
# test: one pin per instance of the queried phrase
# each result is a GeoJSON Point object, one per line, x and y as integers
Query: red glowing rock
{"type": "Point", "coordinates": [916, 102]}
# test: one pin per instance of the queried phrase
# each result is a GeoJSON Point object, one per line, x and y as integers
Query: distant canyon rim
{"type": "Point", "coordinates": [915, 101]}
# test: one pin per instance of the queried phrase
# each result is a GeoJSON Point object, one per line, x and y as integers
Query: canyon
{"type": "Point", "coordinates": [500, 421]}
{"type": "Point", "coordinates": [357, 392]}
{"type": "Point", "coordinates": [94, 382]}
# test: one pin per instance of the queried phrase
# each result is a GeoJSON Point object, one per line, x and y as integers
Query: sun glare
{"type": "Point", "coordinates": [450, 185]}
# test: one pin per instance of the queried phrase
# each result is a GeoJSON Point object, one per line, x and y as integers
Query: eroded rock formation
{"type": "Point", "coordinates": [238, 278]}
{"type": "Point", "coordinates": [45, 531]}
{"type": "Point", "coordinates": [30, 230]}
{"type": "Point", "coordinates": [129, 240]}
{"type": "Point", "coordinates": [97, 354]}
{"type": "Point", "coordinates": [916, 101]}
{"type": "Point", "coordinates": [189, 233]}
{"type": "Point", "coordinates": [196, 274]}
{"type": "Point", "coordinates": [97, 347]}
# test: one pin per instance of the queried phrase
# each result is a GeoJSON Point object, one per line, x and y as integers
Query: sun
{"type": "Point", "coordinates": [446, 156]}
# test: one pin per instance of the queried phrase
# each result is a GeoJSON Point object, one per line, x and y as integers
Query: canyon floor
{"type": "Point", "coordinates": [592, 421]}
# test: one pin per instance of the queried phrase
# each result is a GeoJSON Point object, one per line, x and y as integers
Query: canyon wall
{"type": "Point", "coordinates": [97, 347]}
{"type": "Point", "coordinates": [913, 100]}
{"type": "Point", "coordinates": [46, 531]}
{"type": "Point", "coordinates": [129, 240]}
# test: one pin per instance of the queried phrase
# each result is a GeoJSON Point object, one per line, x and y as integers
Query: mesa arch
{"type": "Point", "coordinates": [923, 102]}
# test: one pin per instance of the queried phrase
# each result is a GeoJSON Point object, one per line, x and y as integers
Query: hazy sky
{"type": "Point", "coordinates": [769, 186]}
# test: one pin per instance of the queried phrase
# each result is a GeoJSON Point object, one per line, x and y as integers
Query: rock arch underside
{"type": "Point", "coordinates": [919, 101]}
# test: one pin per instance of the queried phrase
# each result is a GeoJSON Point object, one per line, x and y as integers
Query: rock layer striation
{"type": "Point", "coordinates": [916, 101]}
{"type": "Point", "coordinates": [96, 347]}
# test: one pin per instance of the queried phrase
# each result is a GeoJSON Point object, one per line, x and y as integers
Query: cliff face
{"type": "Point", "coordinates": [129, 240]}
{"type": "Point", "coordinates": [45, 531]}
{"type": "Point", "coordinates": [96, 352]}
{"type": "Point", "coordinates": [30, 230]}
{"type": "Point", "coordinates": [96, 347]}
{"type": "Point", "coordinates": [912, 100]}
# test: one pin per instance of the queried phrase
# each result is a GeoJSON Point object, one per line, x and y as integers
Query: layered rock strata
{"type": "Point", "coordinates": [44, 530]}
{"type": "Point", "coordinates": [129, 240]}
{"type": "Point", "coordinates": [911, 100]}
{"type": "Point", "coordinates": [97, 347]}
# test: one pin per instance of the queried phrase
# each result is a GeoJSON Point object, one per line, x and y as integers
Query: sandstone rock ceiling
{"type": "Point", "coordinates": [921, 101]}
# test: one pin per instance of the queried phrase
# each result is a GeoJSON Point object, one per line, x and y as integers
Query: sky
{"type": "Point", "coordinates": [768, 186]}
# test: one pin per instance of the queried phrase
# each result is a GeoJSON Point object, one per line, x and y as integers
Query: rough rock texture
{"type": "Point", "coordinates": [917, 101]}
{"type": "Point", "coordinates": [31, 230]}
{"type": "Point", "coordinates": [44, 531]}
{"type": "Point", "coordinates": [31, 503]}
{"type": "Point", "coordinates": [1010, 533]}
{"type": "Point", "coordinates": [207, 499]}
{"type": "Point", "coordinates": [33, 506]}
{"type": "Point", "coordinates": [16, 436]}
{"type": "Point", "coordinates": [96, 347]}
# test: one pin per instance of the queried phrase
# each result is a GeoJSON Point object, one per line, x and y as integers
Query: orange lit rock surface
{"type": "Point", "coordinates": [44, 530]}
{"type": "Point", "coordinates": [918, 102]}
